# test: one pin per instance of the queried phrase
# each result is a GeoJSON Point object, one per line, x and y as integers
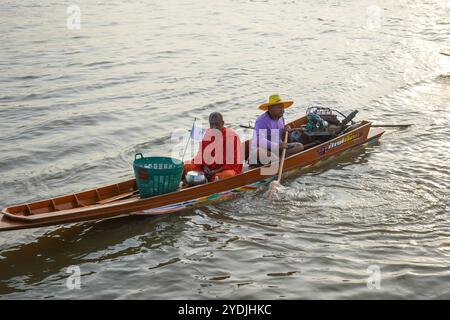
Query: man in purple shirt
{"type": "Point", "coordinates": [269, 132]}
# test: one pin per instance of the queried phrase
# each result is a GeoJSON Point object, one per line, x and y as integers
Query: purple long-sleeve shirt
{"type": "Point", "coordinates": [262, 135]}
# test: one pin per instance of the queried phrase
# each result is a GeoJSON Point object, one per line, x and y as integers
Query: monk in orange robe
{"type": "Point", "coordinates": [220, 152]}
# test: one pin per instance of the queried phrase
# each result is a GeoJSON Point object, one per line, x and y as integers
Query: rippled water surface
{"type": "Point", "coordinates": [75, 105]}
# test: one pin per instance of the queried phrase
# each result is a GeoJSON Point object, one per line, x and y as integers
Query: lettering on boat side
{"type": "Point", "coordinates": [335, 144]}
{"type": "Point", "coordinates": [227, 309]}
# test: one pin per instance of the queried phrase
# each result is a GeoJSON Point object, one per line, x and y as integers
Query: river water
{"type": "Point", "coordinates": [77, 104]}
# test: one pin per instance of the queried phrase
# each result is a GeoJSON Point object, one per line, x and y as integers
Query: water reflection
{"type": "Point", "coordinates": [106, 240]}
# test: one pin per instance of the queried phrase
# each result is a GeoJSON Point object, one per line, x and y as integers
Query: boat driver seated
{"type": "Point", "coordinates": [220, 152]}
{"type": "Point", "coordinates": [267, 142]}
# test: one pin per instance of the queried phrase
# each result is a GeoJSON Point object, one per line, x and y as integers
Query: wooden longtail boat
{"type": "Point", "coordinates": [123, 199]}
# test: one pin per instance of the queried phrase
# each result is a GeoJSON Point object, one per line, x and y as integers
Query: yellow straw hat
{"type": "Point", "coordinates": [276, 99]}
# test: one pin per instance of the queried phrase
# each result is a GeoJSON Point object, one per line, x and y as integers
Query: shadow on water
{"type": "Point", "coordinates": [96, 242]}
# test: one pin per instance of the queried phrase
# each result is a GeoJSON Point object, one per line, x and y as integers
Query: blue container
{"type": "Point", "coordinates": [157, 175]}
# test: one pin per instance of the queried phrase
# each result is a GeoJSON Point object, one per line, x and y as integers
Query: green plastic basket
{"type": "Point", "coordinates": [157, 175]}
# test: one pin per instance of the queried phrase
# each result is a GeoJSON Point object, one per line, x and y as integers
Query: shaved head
{"type": "Point", "coordinates": [216, 120]}
{"type": "Point", "coordinates": [215, 116]}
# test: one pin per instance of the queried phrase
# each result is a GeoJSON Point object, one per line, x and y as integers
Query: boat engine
{"type": "Point", "coordinates": [323, 123]}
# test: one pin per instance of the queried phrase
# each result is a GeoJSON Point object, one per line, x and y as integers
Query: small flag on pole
{"type": "Point", "coordinates": [197, 133]}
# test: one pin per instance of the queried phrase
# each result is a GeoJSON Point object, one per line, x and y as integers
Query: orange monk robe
{"type": "Point", "coordinates": [218, 150]}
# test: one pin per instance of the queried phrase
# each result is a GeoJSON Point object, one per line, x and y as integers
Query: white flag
{"type": "Point", "coordinates": [197, 133]}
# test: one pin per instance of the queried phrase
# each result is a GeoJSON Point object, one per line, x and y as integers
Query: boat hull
{"type": "Point", "coordinates": [190, 197]}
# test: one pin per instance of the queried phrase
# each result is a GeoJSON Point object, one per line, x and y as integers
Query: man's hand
{"type": "Point", "coordinates": [284, 145]}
